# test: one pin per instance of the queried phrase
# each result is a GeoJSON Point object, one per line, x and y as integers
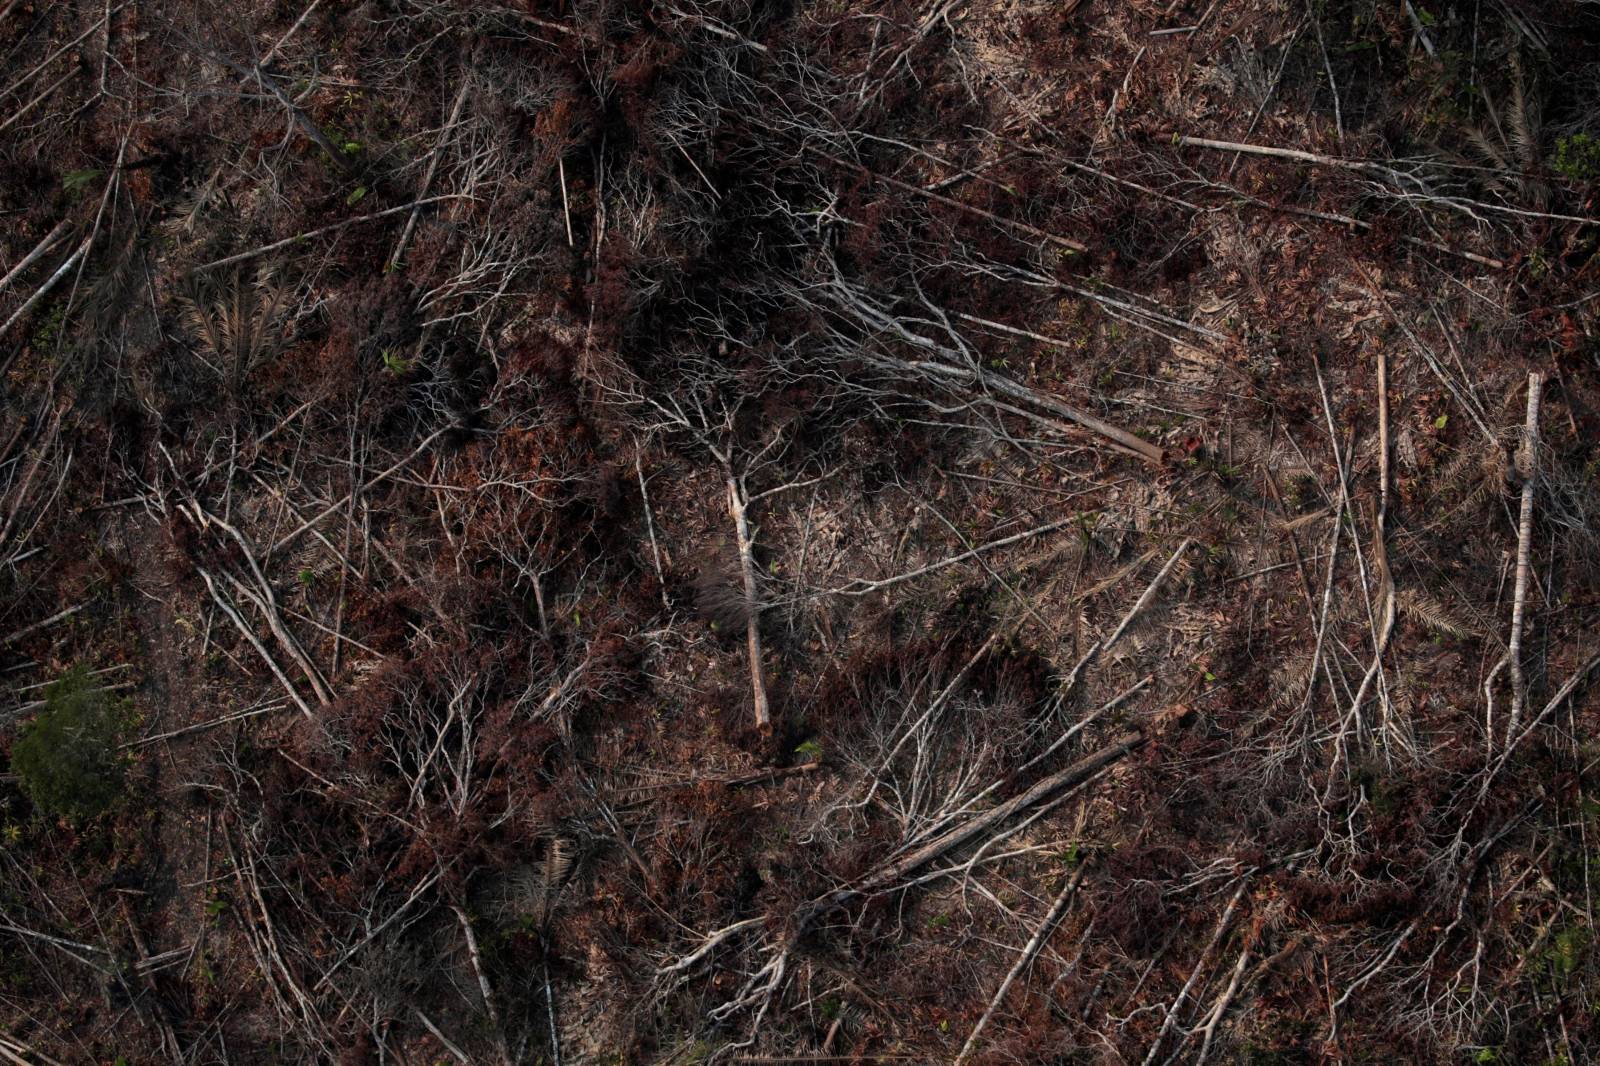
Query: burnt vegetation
{"type": "Point", "coordinates": [600, 532]}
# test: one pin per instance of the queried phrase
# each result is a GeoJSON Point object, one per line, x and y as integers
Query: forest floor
{"type": "Point", "coordinates": [983, 532]}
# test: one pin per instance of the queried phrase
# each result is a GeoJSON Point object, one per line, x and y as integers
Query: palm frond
{"type": "Point", "coordinates": [240, 321]}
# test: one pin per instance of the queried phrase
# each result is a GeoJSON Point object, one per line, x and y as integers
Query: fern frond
{"type": "Point", "coordinates": [1429, 612]}
{"type": "Point", "coordinates": [1523, 118]}
{"type": "Point", "coordinates": [1288, 525]}
{"type": "Point", "coordinates": [1289, 682]}
{"type": "Point", "coordinates": [1490, 152]}
{"type": "Point", "coordinates": [557, 864]}
{"type": "Point", "coordinates": [553, 873]}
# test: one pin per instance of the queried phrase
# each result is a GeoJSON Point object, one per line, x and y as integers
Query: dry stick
{"type": "Point", "coordinates": [1057, 909]}
{"type": "Point", "coordinates": [301, 119]}
{"type": "Point", "coordinates": [999, 383]}
{"type": "Point", "coordinates": [1296, 154]}
{"type": "Point", "coordinates": [1554, 702]}
{"type": "Point", "coordinates": [566, 209]}
{"type": "Point", "coordinates": [43, 290]}
{"type": "Point", "coordinates": [1324, 216]}
{"type": "Point", "coordinates": [534, 20]}
{"type": "Point", "coordinates": [9, 1051]}
{"type": "Point", "coordinates": [1083, 723]}
{"type": "Point", "coordinates": [41, 98]}
{"type": "Point", "coordinates": [59, 616]}
{"type": "Point", "coordinates": [1365, 167]}
{"type": "Point", "coordinates": [650, 526]}
{"type": "Point", "coordinates": [19, 487]}
{"type": "Point", "coordinates": [349, 953]}
{"type": "Point", "coordinates": [356, 470]}
{"type": "Point", "coordinates": [550, 1009]}
{"type": "Point", "coordinates": [203, 726]}
{"type": "Point", "coordinates": [1321, 620]}
{"type": "Point", "coordinates": [1371, 972]}
{"type": "Point", "coordinates": [1076, 774]}
{"type": "Point", "coordinates": [1149, 594]}
{"type": "Point", "coordinates": [269, 934]}
{"type": "Point", "coordinates": [1528, 468]}
{"type": "Point", "coordinates": [1381, 555]}
{"type": "Point", "coordinates": [737, 505]}
{"type": "Point", "coordinates": [1422, 30]}
{"type": "Point", "coordinates": [255, 642]}
{"type": "Point", "coordinates": [718, 29]}
{"type": "Point", "coordinates": [808, 1060]}
{"type": "Point", "coordinates": [1272, 89]}
{"type": "Point", "coordinates": [66, 947]}
{"type": "Point", "coordinates": [266, 604]}
{"type": "Point", "coordinates": [1052, 238]}
{"type": "Point", "coordinates": [862, 586]}
{"type": "Point", "coordinates": [1199, 967]}
{"type": "Point", "coordinates": [290, 32]}
{"type": "Point", "coordinates": [1438, 370]}
{"type": "Point", "coordinates": [461, 1056]}
{"type": "Point", "coordinates": [709, 944]}
{"type": "Point", "coordinates": [1107, 301]}
{"type": "Point", "coordinates": [33, 705]}
{"type": "Point", "coordinates": [621, 837]}
{"type": "Point", "coordinates": [1000, 327]}
{"type": "Point", "coordinates": [1327, 67]}
{"type": "Point", "coordinates": [1100, 647]}
{"type": "Point", "coordinates": [932, 709]}
{"type": "Point", "coordinates": [306, 236]}
{"type": "Point", "coordinates": [37, 685]}
{"type": "Point", "coordinates": [1346, 220]}
{"type": "Point", "coordinates": [887, 877]}
{"type": "Point", "coordinates": [169, 1038]}
{"type": "Point", "coordinates": [57, 54]}
{"type": "Point", "coordinates": [483, 986]}
{"type": "Point", "coordinates": [294, 534]}
{"type": "Point", "coordinates": [427, 177]}
{"type": "Point", "coordinates": [1342, 466]}
{"type": "Point", "coordinates": [967, 369]}
{"type": "Point", "coordinates": [1219, 1009]}
{"type": "Point", "coordinates": [38, 252]}
{"type": "Point", "coordinates": [263, 966]}
{"type": "Point", "coordinates": [264, 599]}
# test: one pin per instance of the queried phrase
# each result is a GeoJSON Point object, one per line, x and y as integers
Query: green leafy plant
{"type": "Point", "coordinates": [67, 758]}
{"type": "Point", "coordinates": [77, 180]}
{"type": "Point", "coordinates": [395, 363]}
{"type": "Point", "coordinates": [1566, 951]}
{"type": "Point", "coordinates": [1577, 157]}
{"type": "Point", "coordinates": [49, 328]}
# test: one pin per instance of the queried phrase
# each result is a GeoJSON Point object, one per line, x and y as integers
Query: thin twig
{"type": "Point", "coordinates": [1052, 916]}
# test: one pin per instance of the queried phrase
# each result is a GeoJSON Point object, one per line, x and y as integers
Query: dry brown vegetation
{"type": "Point", "coordinates": [984, 532]}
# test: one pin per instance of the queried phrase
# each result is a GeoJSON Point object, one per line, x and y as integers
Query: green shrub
{"type": "Point", "coordinates": [67, 759]}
